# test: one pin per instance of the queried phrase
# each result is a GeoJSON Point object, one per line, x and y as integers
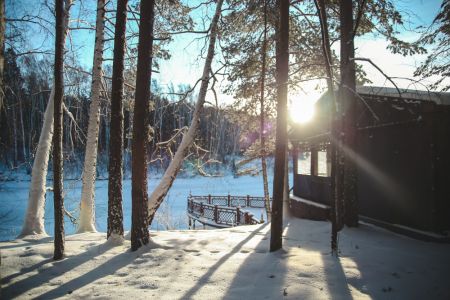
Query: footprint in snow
{"type": "Point", "coordinates": [190, 250]}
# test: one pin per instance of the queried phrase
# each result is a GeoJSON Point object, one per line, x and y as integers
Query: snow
{"type": "Point", "coordinates": [172, 213]}
{"type": "Point", "coordinates": [231, 264]}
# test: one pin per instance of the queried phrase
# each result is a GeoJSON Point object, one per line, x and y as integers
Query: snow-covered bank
{"type": "Point", "coordinates": [231, 264]}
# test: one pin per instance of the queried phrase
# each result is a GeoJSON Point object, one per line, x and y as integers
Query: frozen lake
{"type": "Point", "coordinates": [172, 213]}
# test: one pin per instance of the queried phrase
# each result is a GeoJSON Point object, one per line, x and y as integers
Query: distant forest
{"type": "Point", "coordinates": [28, 85]}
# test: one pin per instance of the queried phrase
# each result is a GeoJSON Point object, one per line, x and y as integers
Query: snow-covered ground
{"type": "Point", "coordinates": [231, 264]}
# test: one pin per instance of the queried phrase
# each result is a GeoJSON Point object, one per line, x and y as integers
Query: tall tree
{"type": "Point", "coordinates": [347, 92]}
{"type": "Point", "coordinates": [57, 136]}
{"type": "Point", "coordinates": [115, 213]}
{"type": "Point", "coordinates": [2, 50]}
{"type": "Point", "coordinates": [262, 129]}
{"type": "Point", "coordinates": [87, 205]}
{"type": "Point", "coordinates": [34, 218]}
{"type": "Point", "coordinates": [157, 197]}
{"type": "Point", "coordinates": [336, 180]}
{"type": "Point", "coordinates": [282, 74]}
{"type": "Point", "coordinates": [141, 132]}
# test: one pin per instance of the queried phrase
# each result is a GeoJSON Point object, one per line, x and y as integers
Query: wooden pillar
{"type": "Point", "coordinates": [314, 161]}
{"type": "Point", "coordinates": [295, 158]}
{"type": "Point", "coordinates": [329, 160]}
{"type": "Point", "coordinates": [216, 214]}
{"type": "Point", "coordinates": [238, 216]}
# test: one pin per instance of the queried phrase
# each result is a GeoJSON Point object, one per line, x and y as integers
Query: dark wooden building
{"type": "Point", "coordinates": [402, 158]}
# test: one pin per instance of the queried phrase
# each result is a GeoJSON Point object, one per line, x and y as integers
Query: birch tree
{"type": "Point", "coordinates": [87, 205]}
{"type": "Point", "coordinates": [115, 213]}
{"type": "Point", "coordinates": [161, 190]}
{"type": "Point", "coordinates": [34, 218]}
{"type": "Point", "coordinates": [262, 128]}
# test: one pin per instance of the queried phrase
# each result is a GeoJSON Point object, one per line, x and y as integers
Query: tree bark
{"type": "Point", "coordinates": [87, 205]}
{"type": "Point", "coordinates": [115, 212]}
{"type": "Point", "coordinates": [347, 98]}
{"type": "Point", "coordinates": [262, 129]}
{"type": "Point", "coordinates": [139, 220]}
{"type": "Point", "coordinates": [282, 69]}
{"type": "Point", "coordinates": [2, 50]}
{"type": "Point", "coordinates": [170, 174]}
{"type": "Point", "coordinates": [57, 137]}
{"type": "Point", "coordinates": [334, 130]}
{"type": "Point", "coordinates": [34, 218]}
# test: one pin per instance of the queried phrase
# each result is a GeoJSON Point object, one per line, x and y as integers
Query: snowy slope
{"type": "Point", "coordinates": [231, 264]}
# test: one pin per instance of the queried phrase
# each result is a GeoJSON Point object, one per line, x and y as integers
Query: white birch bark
{"type": "Point", "coordinates": [34, 218]}
{"type": "Point", "coordinates": [157, 197]}
{"type": "Point", "coordinates": [87, 205]}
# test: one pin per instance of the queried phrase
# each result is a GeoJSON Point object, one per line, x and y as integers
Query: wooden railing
{"type": "Point", "coordinates": [231, 201]}
{"type": "Point", "coordinates": [224, 211]}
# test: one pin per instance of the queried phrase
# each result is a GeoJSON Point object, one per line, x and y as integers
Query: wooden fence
{"type": "Point", "coordinates": [224, 211]}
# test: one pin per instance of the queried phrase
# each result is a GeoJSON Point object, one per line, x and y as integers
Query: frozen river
{"type": "Point", "coordinates": [172, 214]}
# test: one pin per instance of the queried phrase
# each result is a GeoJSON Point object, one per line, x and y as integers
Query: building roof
{"type": "Point", "coordinates": [376, 106]}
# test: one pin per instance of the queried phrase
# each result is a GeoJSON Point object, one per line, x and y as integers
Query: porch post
{"type": "Point", "coordinates": [295, 158]}
{"type": "Point", "coordinates": [314, 161]}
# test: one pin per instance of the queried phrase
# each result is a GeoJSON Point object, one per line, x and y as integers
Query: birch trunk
{"type": "Point", "coordinates": [34, 218]}
{"type": "Point", "coordinates": [262, 121]}
{"type": "Point", "coordinates": [157, 197]}
{"type": "Point", "coordinates": [87, 205]}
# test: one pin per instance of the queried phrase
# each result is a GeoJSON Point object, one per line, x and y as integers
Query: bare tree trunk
{"type": "Point", "coordinates": [167, 180]}
{"type": "Point", "coordinates": [262, 122]}
{"type": "Point", "coordinates": [22, 129]}
{"type": "Point", "coordinates": [115, 212]}
{"type": "Point", "coordinates": [282, 70]}
{"type": "Point", "coordinates": [34, 218]}
{"type": "Point", "coordinates": [335, 186]}
{"type": "Point", "coordinates": [57, 137]}
{"type": "Point", "coordinates": [346, 90]}
{"type": "Point", "coordinates": [15, 136]}
{"type": "Point", "coordinates": [2, 50]}
{"type": "Point", "coordinates": [141, 132]}
{"type": "Point", "coordinates": [87, 205]}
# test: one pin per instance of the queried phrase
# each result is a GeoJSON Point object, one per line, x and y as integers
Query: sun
{"type": "Point", "coordinates": [301, 110]}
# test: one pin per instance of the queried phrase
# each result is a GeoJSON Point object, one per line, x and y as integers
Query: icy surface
{"type": "Point", "coordinates": [172, 214]}
{"type": "Point", "coordinates": [230, 264]}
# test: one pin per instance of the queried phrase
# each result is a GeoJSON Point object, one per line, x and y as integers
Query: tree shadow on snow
{"type": "Point", "coordinates": [269, 275]}
{"type": "Point", "coordinates": [205, 277]}
{"type": "Point", "coordinates": [49, 269]}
